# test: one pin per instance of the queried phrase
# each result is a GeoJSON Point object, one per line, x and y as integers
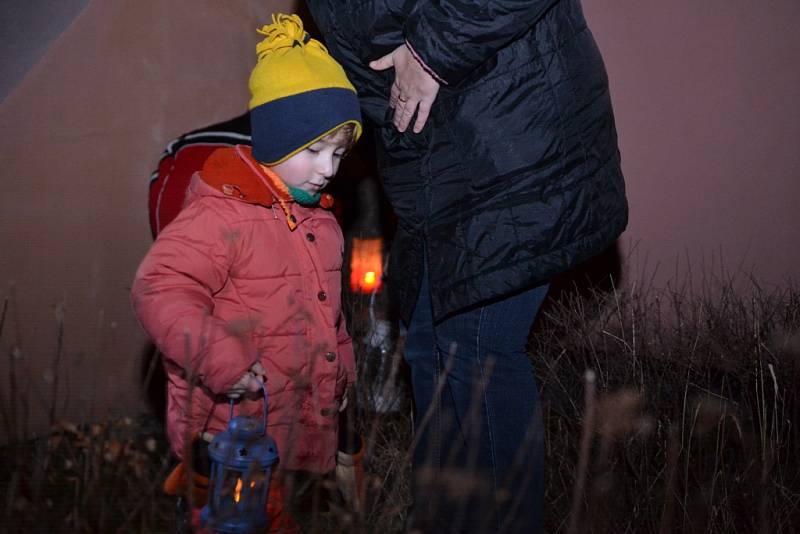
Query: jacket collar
{"type": "Point", "coordinates": [235, 173]}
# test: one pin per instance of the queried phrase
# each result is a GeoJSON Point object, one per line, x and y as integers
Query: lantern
{"type": "Point", "coordinates": [366, 265]}
{"type": "Point", "coordinates": [241, 464]}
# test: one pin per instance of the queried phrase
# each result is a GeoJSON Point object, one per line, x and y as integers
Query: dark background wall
{"type": "Point", "coordinates": [706, 96]}
{"type": "Point", "coordinates": [27, 29]}
{"type": "Point", "coordinates": [83, 128]}
{"type": "Point", "coordinates": [705, 93]}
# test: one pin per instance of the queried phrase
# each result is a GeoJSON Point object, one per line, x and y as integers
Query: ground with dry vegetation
{"type": "Point", "coordinates": [665, 411]}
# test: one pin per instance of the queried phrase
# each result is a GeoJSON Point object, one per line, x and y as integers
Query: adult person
{"type": "Point", "coordinates": [498, 152]}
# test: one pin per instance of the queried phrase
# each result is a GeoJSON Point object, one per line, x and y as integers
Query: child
{"type": "Point", "coordinates": [244, 286]}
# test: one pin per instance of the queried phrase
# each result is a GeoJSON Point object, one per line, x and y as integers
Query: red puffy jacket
{"type": "Point", "coordinates": [229, 283]}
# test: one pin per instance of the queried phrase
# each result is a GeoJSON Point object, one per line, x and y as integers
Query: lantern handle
{"type": "Point", "coordinates": [266, 407]}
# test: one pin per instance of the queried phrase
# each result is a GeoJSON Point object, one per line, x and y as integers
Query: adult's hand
{"type": "Point", "coordinates": [413, 88]}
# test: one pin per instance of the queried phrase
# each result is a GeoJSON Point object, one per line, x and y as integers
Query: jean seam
{"type": "Point", "coordinates": [486, 401]}
{"type": "Point", "coordinates": [437, 405]}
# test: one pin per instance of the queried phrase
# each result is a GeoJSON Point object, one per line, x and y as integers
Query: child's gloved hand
{"type": "Point", "coordinates": [350, 478]}
{"type": "Point", "coordinates": [252, 380]}
{"type": "Point", "coordinates": [350, 455]}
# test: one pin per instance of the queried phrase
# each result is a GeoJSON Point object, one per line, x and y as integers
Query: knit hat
{"type": "Point", "coordinates": [299, 92]}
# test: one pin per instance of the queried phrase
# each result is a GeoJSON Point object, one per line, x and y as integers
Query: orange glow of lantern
{"type": "Point", "coordinates": [366, 265]}
{"type": "Point", "coordinates": [237, 492]}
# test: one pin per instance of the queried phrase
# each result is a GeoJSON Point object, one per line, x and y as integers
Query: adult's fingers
{"type": "Point", "coordinates": [383, 63]}
{"type": "Point", "coordinates": [394, 96]}
{"type": "Point", "coordinates": [403, 114]}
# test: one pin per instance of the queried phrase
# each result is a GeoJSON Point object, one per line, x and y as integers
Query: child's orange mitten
{"type": "Point", "coordinates": [177, 482]}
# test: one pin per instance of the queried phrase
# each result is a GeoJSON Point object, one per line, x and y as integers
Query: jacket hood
{"type": "Point", "coordinates": [232, 172]}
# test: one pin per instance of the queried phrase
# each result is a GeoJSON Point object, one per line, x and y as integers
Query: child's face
{"type": "Point", "coordinates": [312, 168]}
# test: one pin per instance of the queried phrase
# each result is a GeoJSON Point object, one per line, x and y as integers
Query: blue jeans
{"type": "Point", "coordinates": [478, 438]}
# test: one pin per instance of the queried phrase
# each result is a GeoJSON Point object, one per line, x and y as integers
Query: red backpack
{"type": "Point", "coordinates": [182, 158]}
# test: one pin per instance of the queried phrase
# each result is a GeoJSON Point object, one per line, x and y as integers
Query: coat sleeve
{"type": "Point", "coordinates": [172, 296]}
{"type": "Point", "coordinates": [453, 37]}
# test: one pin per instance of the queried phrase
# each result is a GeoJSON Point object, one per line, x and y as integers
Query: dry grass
{"type": "Point", "coordinates": [89, 478]}
{"type": "Point", "coordinates": [686, 423]}
{"type": "Point", "coordinates": [694, 426]}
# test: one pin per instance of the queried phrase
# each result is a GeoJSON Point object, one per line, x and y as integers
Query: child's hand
{"type": "Point", "coordinates": [252, 380]}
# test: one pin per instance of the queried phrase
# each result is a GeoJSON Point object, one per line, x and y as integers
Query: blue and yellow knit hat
{"type": "Point", "coordinates": [299, 92]}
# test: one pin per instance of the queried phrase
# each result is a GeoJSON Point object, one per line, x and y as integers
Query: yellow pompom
{"type": "Point", "coordinates": [286, 31]}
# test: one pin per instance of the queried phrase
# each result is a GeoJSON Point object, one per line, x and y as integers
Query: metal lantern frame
{"type": "Point", "coordinates": [242, 458]}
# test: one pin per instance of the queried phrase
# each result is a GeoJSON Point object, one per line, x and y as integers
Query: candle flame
{"type": "Point", "coordinates": [237, 491]}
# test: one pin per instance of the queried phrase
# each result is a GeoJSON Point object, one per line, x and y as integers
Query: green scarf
{"type": "Point", "coordinates": [304, 198]}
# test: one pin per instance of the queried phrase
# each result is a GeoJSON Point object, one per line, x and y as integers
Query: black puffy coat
{"type": "Point", "coordinates": [516, 176]}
